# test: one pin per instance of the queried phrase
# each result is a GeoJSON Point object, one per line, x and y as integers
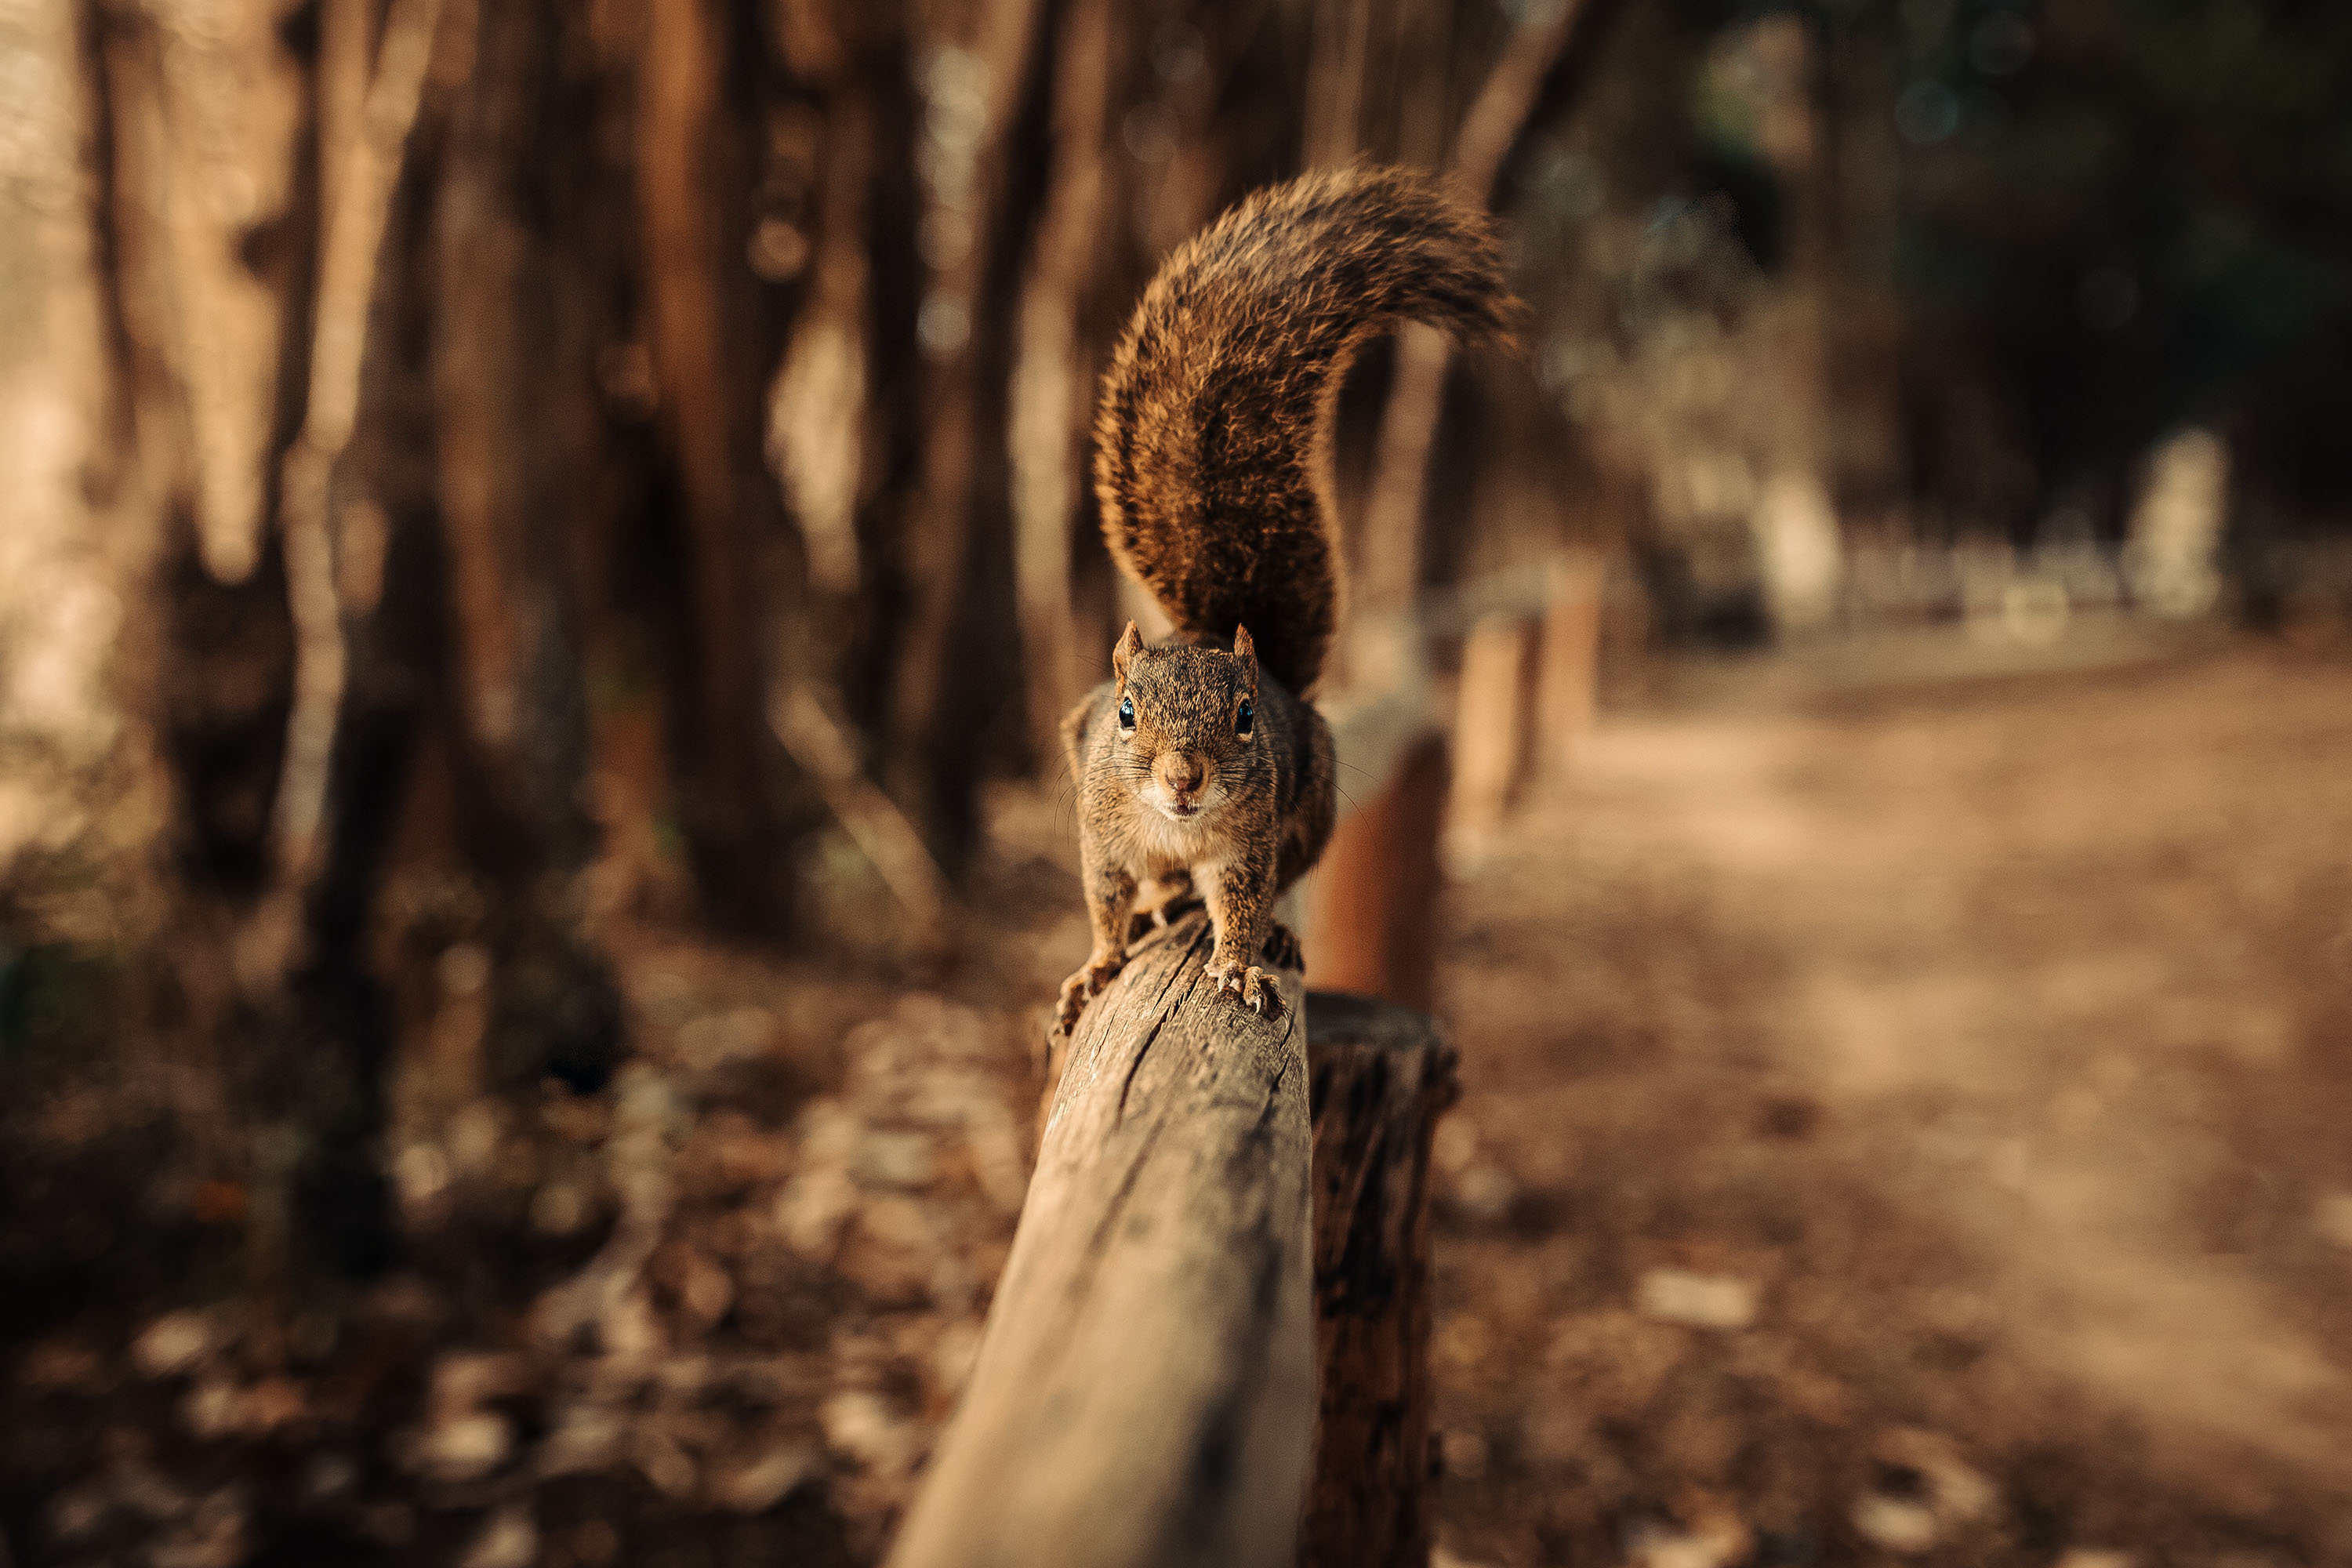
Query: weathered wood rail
{"type": "Point", "coordinates": [1192, 1248]}
{"type": "Point", "coordinates": [1144, 1392]}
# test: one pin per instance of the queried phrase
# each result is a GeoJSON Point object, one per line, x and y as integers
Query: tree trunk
{"type": "Point", "coordinates": [79, 809]}
{"type": "Point", "coordinates": [973, 95]}
{"type": "Point", "coordinates": [716, 341]}
{"type": "Point", "coordinates": [507, 500]}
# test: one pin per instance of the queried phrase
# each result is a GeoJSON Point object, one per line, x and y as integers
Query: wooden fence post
{"type": "Point", "coordinates": [1493, 717]}
{"type": "Point", "coordinates": [1380, 1078]}
{"type": "Point", "coordinates": [1144, 1394]}
{"type": "Point", "coordinates": [1371, 925]}
{"type": "Point", "coordinates": [1570, 678]}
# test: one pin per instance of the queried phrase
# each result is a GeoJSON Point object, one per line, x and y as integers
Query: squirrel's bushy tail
{"type": "Point", "coordinates": [1211, 457]}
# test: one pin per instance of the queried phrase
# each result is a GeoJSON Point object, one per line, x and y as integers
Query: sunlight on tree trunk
{"type": "Point", "coordinates": [231, 100]}
{"type": "Point", "coordinates": [353, 229]}
{"type": "Point", "coordinates": [77, 811]}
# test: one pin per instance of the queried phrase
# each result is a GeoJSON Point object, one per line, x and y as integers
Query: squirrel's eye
{"type": "Point", "coordinates": [1127, 713]}
{"type": "Point", "coordinates": [1245, 717]}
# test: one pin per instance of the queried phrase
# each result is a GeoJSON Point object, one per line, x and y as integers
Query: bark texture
{"type": "Point", "coordinates": [1380, 1078]}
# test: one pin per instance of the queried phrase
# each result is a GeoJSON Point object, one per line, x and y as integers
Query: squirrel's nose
{"type": "Point", "coordinates": [1183, 773]}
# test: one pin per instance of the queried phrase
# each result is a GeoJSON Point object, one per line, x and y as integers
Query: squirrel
{"type": "Point", "coordinates": [1202, 759]}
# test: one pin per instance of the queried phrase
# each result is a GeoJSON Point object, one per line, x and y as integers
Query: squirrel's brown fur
{"type": "Point", "coordinates": [1213, 442]}
{"type": "Point", "coordinates": [1202, 759]}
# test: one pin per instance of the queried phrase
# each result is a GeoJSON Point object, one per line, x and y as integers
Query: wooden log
{"type": "Point", "coordinates": [1144, 1393]}
{"type": "Point", "coordinates": [1381, 1076]}
{"type": "Point", "coordinates": [1568, 687]}
{"type": "Point", "coordinates": [1371, 925]}
{"type": "Point", "coordinates": [1493, 717]}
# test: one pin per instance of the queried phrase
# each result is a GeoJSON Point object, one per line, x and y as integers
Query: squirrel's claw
{"type": "Point", "coordinates": [1255, 988]}
{"type": "Point", "coordinates": [1083, 987]}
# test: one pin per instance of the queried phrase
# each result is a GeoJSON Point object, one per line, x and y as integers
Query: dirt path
{"type": "Point", "coordinates": [1995, 1042]}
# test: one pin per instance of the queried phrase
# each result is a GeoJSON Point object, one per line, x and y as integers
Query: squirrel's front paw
{"type": "Point", "coordinates": [1082, 988]}
{"type": "Point", "coordinates": [1252, 985]}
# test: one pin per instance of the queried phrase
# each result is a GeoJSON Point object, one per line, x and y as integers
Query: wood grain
{"type": "Point", "coordinates": [1144, 1394]}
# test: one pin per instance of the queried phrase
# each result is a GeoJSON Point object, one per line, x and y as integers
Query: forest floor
{"type": "Point", "coordinates": [1903, 1120]}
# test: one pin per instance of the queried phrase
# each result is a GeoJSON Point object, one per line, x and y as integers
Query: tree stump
{"type": "Point", "coordinates": [1380, 1077]}
{"type": "Point", "coordinates": [1144, 1394]}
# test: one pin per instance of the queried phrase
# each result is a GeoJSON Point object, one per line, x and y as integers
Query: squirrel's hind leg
{"type": "Point", "coordinates": [1282, 950]}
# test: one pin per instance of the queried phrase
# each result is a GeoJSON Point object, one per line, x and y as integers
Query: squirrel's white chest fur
{"type": "Point", "coordinates": [1159, 843]}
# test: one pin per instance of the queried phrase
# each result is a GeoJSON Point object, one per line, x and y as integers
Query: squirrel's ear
{"type": "Point", "coordinates": [1130, 643]}
{"type": "Point", "coordinates": [1245, 648]}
